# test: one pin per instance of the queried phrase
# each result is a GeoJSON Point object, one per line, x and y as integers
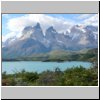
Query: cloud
{"type": "Point", "coordinates": [10, 34]}
{"type": "Point", "coordinates": [93, 20]}
{"type": "Point", "coordinates": [17, 24]}
{"type": "Point", "coordinates": [5, 37]}
{"type": "Point", "coordinates": [83, 16]}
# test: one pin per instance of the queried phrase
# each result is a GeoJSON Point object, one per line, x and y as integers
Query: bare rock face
{"type": "Point", "coordinates": [33, 40]}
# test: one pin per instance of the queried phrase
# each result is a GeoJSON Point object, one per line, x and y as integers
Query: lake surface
{"type": "Point", "coordinates": [38, 66]}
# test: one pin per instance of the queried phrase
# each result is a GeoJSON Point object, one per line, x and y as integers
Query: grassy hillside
{"type": "Point", "coordinates": [82, 55]}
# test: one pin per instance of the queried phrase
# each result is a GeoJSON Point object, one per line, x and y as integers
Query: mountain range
{"type": "Point", "coordinates": [34, 41]}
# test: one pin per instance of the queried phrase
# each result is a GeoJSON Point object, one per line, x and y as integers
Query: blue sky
{"type": "Point", "coordinates": [12, 24]}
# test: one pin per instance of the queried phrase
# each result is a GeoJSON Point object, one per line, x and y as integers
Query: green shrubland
{"type": "Point", "coordinates": [76, 76]}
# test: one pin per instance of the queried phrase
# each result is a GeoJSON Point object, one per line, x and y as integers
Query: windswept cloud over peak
{"type": "Point", "coordinates": [93, 20]}
{"type": "Point", "coordinates": [15, 25]}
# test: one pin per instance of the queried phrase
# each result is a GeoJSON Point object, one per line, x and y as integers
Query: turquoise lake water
{"type": "Point", "coordinates": [38, 66]}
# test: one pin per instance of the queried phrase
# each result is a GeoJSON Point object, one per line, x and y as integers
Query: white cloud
{"type": "Point", "coordinates": [17, 24]}
{"type": "Point", "coordinates": [83, 16]}
{"type": "Point", "coordinates": [93, 20]}
{"type": "Point", "coordinates": [5, 37]}
{"type": "Point", "coordinates": [10, 34]}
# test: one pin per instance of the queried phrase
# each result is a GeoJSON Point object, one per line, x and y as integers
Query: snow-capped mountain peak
{"type": "Point", "coordinates": [33, 41]}
{"type": "Point", "coordinates": [32, 32]}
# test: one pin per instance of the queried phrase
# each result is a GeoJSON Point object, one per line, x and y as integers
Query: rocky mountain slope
{"type": "Point", "coordinates": [33, 40]}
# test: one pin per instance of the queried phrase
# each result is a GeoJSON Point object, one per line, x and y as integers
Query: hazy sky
{"type": "Point", "coordinates": [13, 24]}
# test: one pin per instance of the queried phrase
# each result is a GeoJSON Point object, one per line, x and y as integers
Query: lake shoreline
{"type": "Point", "coordinates": [46, 60]}
{"type": "Point", "coordinates": [68, 77]}
{"type": "Point", "coordinates": [39, 66]}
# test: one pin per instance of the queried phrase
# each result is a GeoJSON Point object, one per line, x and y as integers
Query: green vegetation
{"type": "Point", "coordinates": [90, 55]}
{"type": "Point", "coordinates": [76, 76]}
